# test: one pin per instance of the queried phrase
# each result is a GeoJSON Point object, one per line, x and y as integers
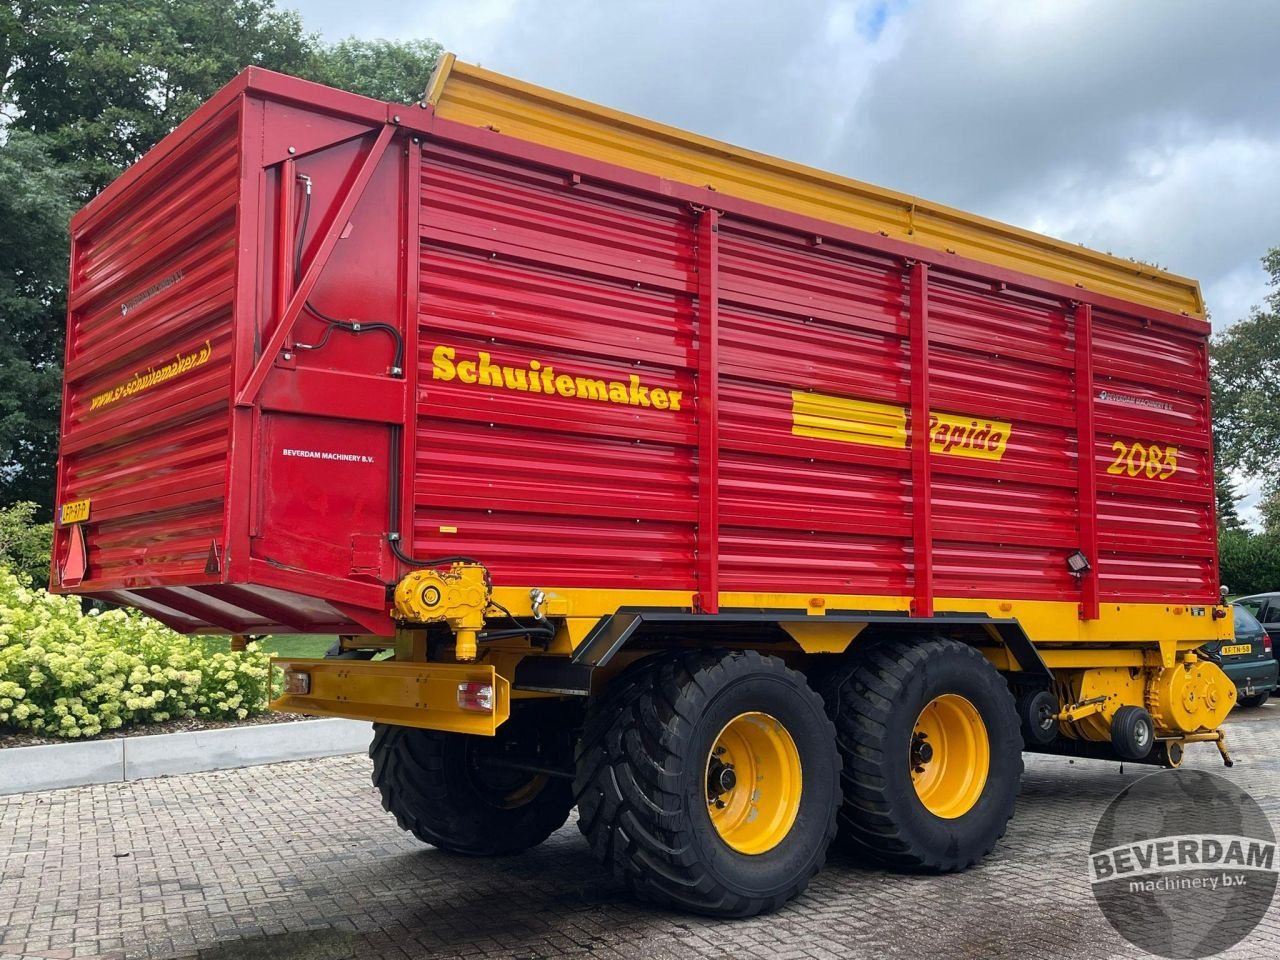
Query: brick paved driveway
{"type": "Point", "coordinates": [298, 860]}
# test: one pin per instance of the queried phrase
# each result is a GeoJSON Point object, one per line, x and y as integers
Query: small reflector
{"type": "Point", "coordinates": [297, 683]}
{"type": "Point", "coordinates": [77, 562]}
{"type": "Point", "coordinates": [476, 696]}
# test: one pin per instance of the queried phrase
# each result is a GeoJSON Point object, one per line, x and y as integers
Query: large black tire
{"type": "Point", "coordinates": [876, 698]}
{"type": "Point", "coordinates": [1257, 700]}
{"type": "Point", "coordinates": [642, 785]}
{"type": "Point", "coordinates": [438, 788]}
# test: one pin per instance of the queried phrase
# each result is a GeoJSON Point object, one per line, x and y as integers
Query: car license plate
{"type": "Point", "coordinates": [76, 511]}
{"type": "Point", "coordinates": [1234, 648]}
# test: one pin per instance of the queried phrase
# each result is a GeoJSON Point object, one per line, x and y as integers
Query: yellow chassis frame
{"type": "Point", "coordinates": [410, 691]}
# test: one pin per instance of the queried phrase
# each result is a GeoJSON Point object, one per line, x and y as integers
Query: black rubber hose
{"type": "Point", "coordinates": [354, 327]}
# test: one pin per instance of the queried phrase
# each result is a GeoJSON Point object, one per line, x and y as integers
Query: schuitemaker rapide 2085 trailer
{"type": "Point", "coordinates": [740, 505]}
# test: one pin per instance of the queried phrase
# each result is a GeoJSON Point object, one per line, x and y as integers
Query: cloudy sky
{"type": "Point", "coordinates": [1149, 128]}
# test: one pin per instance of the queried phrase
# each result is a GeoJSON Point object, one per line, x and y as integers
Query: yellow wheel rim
{"type": "Point", "coordinates": [753, 783]}
{"type": "Point", "coordinates": [950, 756]}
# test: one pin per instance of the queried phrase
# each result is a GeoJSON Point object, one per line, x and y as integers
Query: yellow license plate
{"type": "Point", "coordinates": [1233, 648]}
{"type": "Point", "coordinates": [77, 511]}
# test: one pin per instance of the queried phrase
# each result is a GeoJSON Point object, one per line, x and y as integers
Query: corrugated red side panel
{"type": "Point", "coordinates": [1156, 525]}
{"type": "Point", "coordinates": [1000, 355]}
{"type": "Point", "coordinates": [801, 513]}
{"type": "Point", "coordinates": [519, 270]}
{"type": "Point", "coordinates": [148, 378]}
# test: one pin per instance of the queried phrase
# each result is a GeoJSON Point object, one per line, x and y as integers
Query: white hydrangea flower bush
{"type": "Point", "coordinates": [67, 674]}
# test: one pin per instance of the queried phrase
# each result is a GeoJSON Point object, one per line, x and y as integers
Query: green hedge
{"type": "Point", "coordinates": [25, 544]}
{"type": "Point", "coordinates": [69, 674]}
{"type": "Point", "coordinates": [1249, 562]}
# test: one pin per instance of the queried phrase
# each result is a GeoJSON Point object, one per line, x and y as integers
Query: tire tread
{"type": "Point", "coordinates": [411, 773]}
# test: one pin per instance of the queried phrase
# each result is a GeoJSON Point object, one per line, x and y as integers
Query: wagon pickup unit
{"type": "Point", "coordinates": [740, 505]}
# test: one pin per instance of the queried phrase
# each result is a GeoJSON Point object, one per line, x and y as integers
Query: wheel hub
{"type": "Point", "coordinates": [1046, 719]}
{"type": "Point", "coordinates": [921, 751]}
{"type": "Point", "coordinates": [753, 783]}
{"type": "Point", "coordinates": [496, 780]}
{"type": "Point", "coordinates": [721, 779]}
{"type": "Point", "coordinates": [949, 756]}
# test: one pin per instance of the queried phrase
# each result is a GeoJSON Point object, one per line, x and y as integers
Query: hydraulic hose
{"type": "Point", "coordinates": [352, 326]}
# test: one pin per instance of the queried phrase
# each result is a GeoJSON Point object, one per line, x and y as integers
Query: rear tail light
{"type": "Point", "coordinates": [1266, 643]}
{"type": "Point", "coordinates": [476, 696]}
{"type": "Point", "coordinates": [297, 683]}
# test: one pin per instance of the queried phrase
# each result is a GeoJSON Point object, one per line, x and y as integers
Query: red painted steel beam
{"type": "Point", "coordinates": [1212, 501]}
{"type": "Point", "coordinates": [332, 233]}
{"type": "Point", "coordinates": [181, 624]}
{"type": "Point", "coordinates": [265, 607]}
{"type": "Point", "coordinates": [241, 514]}
{"type": "Point", "coordinates": [328, 393]}
{"type": "Point", "coordinates": [286, 200]}
{"type": "Point", "coordinates": [1088, 473]}
{"type": "Point", "coordinates": [57, 554]}
{"type": "Point", "coordinates": [374, 621]}
{"type": "Point", "coordinates": [921, 487]}
{"type": "Point", "coordinates": [197, 609]}
{"type": "Point", "coordinates": [333, 589]}
{"type": "Point", "coordinates": [708, 535]}
{"type": "Point", "coordinates": [314, 96]}
{"type": "Point", "coordinates": [411, 287]}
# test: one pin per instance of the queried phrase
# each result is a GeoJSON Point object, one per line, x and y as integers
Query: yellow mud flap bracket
{"type": "Point", "coordinates": [457, 697]}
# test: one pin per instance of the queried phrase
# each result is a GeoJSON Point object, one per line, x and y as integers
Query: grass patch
{"type": "Point", "coordinates": [279, 645]}
{"type": "Point", "coordinates": [298, 645]}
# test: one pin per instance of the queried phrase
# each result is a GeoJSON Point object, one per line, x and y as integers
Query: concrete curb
{"type": "Point", "coordinates": [58, 765]}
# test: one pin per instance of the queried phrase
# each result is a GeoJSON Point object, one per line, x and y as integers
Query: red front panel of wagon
{"type": "Point", "coordinates": [559, 407]}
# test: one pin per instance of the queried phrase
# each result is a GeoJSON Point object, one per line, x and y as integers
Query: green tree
{"type": "Point", "coordinates": [1269, 512]}
{"type": "Point", "coordinates": [25, 544]}
{"type": "Point", "coordinates": [1227, 496]}
{"type": "Point", "coordinates": [86, 88]}
{"type": "Point", "coordinates": [36, 199]}
{"type": "Point", "coordinates": [397, 71]}
{"type": "Point", "coordinates": [1245, 373]}
{"type": "Point", "coordinates": [105, 79]}
{"type": "Point", "coordinates": [1249, 562]}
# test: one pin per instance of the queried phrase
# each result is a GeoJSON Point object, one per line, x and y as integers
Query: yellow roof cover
{"type": "Point", "coordinates": [481, 98]}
